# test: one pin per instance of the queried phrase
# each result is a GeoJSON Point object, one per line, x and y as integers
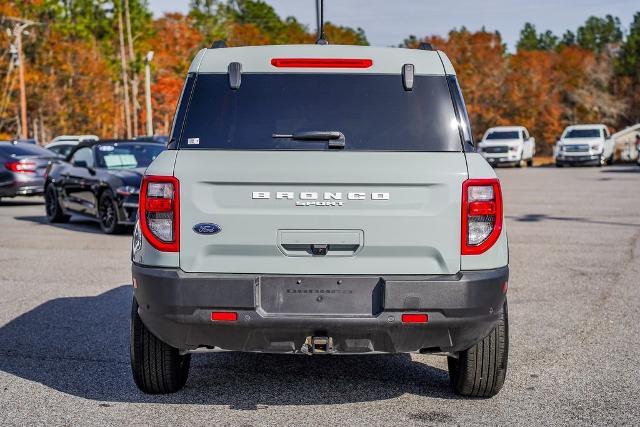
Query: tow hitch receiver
{"type": "Point", "coordinates": [317, 345]}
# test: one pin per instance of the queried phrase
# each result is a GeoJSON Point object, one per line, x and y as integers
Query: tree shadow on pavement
{"type": "Point", "coordinates": [75, 224]}
{"type": "Point", "coordinates": [543, 217]}
{"type": "Point", "coordinates": [632, 169]}
{"type": "Point", "coordinates": [79, 346]}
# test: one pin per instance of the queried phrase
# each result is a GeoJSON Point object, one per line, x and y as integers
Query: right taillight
{"type": "Point", "coordinates": [160, 212]}
{"type": "Point", "coordinates": [481, 215]}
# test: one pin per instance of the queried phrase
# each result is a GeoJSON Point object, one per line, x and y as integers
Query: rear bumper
{"type": "Point", "coordinates": [578, 159]}
{"type": "Point", "coordinates": [462, 308]}
{"type": "Point", "coordinates": [502, 158]}
{"type": "Point", "coordinates": [15, 188]}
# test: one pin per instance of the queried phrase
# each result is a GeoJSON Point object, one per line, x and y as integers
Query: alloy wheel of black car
{"type": "Point", "coordinates": [52, 206]}
{"type": "Point", "coordinates": [107, 215]}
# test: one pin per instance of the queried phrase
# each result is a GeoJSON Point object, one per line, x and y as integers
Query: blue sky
{"type": "Point", "coordinates": [388, 22]}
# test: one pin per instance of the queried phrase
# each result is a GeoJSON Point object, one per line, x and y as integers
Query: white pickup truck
{"type": "Point", "coordinates": [584, 144]}
{"type": "Point", "coordinates": [508, 145]}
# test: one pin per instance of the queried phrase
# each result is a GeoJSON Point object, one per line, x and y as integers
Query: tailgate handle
{"type": "Point", "coordinates": [302, 243]}
{"type": "Point", "coordinates": [320, 250]}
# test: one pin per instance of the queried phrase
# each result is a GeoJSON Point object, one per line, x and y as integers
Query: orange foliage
{"type": "Point", "coordinates": [175, 35]}
{"type": "Point", "coordinates": [246, 35]}
{"type": "Point", "coordinates": [542, 90]}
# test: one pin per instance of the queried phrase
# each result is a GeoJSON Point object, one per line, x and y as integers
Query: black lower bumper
{"type": "Point", "coordinates": [360, 314]}
{"type": "Point", "coordinates": [19, 189]}
{"type": "Point", "coordinates": [579, 160]}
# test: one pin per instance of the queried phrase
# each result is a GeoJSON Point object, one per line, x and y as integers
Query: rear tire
{"type": "Point", "coordinates": [480, 371]}
{"type": "Point", "coordinates": [108, 214]}
{"type": "Point", "coordinates": [52, 206]}
{"type": "Point", "coordinates": [530, 162]}
{"type": "Point", "coordinates": [157, 367]}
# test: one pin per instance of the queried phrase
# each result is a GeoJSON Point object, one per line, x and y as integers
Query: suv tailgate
{"type": "Point", "coordinates": [403, 216]}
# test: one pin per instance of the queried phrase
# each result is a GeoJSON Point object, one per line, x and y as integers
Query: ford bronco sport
{"type": "Point", "coordinates": [320, 200]}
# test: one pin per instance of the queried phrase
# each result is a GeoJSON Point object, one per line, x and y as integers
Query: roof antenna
{"type": "Point", "coordinates": [320, 22]}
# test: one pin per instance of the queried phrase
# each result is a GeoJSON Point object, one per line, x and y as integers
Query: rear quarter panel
{"type": "Point", "coordinates": [498, 254]}
{"type": "Point", "coordinates": [142, 251]}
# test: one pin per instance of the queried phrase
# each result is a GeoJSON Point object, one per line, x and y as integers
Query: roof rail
{"type": "Point", "coordinates": [219, 44]}
{"type": "Point", "coordinates": [425, 46]}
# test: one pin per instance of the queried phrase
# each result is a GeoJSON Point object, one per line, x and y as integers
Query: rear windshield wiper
{"type": "Point", "coordinates": [334, 138]}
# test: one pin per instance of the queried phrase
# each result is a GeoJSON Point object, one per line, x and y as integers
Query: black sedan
{"type": "Point", "coordinates": [22, 168]}
{"type": "Point", "coordinates": [101, 180]}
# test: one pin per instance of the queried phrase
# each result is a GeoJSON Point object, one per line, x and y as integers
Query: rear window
{"type": "Point", "coordinates": [23, 149]}
{"type": "Point", "coordinates": [504, 135]}
{"type": "Point", "coordinates": [62, 150]}
{"type": "Point", "coordinates": [374, 112]}
{"type": "Point", "coordinates": [583, 133]}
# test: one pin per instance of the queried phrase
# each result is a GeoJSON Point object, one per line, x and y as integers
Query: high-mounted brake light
{"type": "Point", "coordinates": [21, 166]}
{"type": "Point", "coordinates": [160, 212]}
{"type": "Point", "coordinates": [481, 215]}
{"type": "Point", "coordinates": [321, 62]}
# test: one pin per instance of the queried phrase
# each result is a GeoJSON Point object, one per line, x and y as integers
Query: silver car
{"type": "Point", "coordinates": [22, 168]}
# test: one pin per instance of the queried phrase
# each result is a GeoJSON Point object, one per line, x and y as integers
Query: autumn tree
{"type": "Point", "coordinates": [173, 53]}
{"type": "Point", "coordinates": [628, 69]}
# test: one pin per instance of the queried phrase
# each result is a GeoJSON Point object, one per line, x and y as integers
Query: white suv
{"type": "Point", "coordinates": [584, 144]}
{"type": "Point", "coordinates": [508, 145]}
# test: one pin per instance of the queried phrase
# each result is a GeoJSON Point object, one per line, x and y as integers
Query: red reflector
{"type": "Point", "coordinates": [415, 318]}
{"type": "Point", "coordinates": [482, 208]}
{"type": "Point", "coordinates": [505, 287]}
{"type": "Point", "coordinates": [158, 205]}
{"type": "Point", "coordinates": [321, 63]}
{"type": "Point", "coordinates": [224, 316]}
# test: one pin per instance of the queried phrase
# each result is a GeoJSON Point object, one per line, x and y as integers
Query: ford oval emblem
{"type": "Point", "coordinates": [207, 228]}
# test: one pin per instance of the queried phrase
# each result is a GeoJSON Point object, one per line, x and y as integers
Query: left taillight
{"type": "Point", "coordinates": [160, 212]}
{"type": "Point", "coordinates": [21, 166]}
{"type": "Point", "coordinates": [481, 215]}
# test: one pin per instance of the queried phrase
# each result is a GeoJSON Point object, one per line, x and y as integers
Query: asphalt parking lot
{"type": "Point", "coordinates": [574, 302]}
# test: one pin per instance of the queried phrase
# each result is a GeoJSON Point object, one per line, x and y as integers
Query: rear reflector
{"type": "Point", "coordinates": [321, 62]}
{"type": "Point", "coordinates": [415, 318]}
{"type": "Point", "coordinates": [224, 316]}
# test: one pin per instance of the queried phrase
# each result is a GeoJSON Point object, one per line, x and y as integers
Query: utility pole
{"type": "Point", "coordinates": [18, 29]}
{"type": "Point", "coordinates": [125, 77]}
{"type": "Point", "coordinates": [134, 78]}
{"type": "Point", "coordinates": [147, 91]}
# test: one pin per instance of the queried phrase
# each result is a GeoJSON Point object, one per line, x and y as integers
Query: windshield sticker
{"type": "Point", "coordinates": [120, 161]}
{"type": "Point", "coordinates": [106, 148]}
{"type": "Point", "coordinates": [193, 141]}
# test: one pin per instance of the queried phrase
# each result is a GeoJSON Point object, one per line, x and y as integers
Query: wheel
{"type": "Point", "coordinates": [52, 206]}
{"type": "Point", "coordinates": [559, 165]}
{"type": "Point", "coordinates": [530, 162]}
{"type": "Point", "coordinates": [519, 163]}
{"type": "Point", "coordinates": [108, 214]}
{"type": "Point", "coordinates": [157, 367]}
{"type": "Point", "coordinates": [609, 160]}
{"type": "Point", "coordinates": [480, 371]}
